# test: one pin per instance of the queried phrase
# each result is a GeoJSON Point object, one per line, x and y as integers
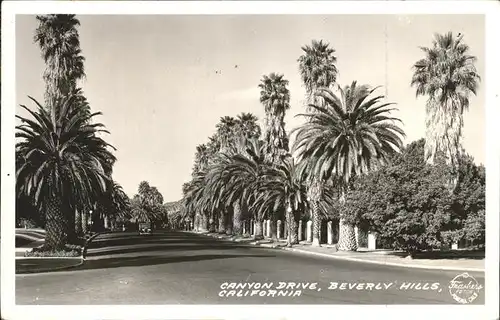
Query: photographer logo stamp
{"type": "Point", "coordinates": [464, 288]}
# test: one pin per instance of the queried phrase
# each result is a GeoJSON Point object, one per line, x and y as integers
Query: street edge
{"type": "Point", "coordinates": [355, 259]}
{"type": "Point", "coordinates": [81, 258]}
{"type": "Point", "coordinates": [40, 271]}
{"type": "Point", "coordinates": [87, 243]}
{"type": "Point", "coordinates": [382, 263]}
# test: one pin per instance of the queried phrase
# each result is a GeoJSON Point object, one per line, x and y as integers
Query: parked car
{"type": "Point", "coordinates": [145, 228]}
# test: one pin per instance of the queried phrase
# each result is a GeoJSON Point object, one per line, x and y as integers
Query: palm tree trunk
{"type": "Point", "coordinates": [229, 221]}
{"type": "Point", "coordinates": [222, 222]}
{"type": "Point", "coordinates": [69, 211]}
{"type": "Point", "coordinates": [85, 222]}
{"type": "Point", "coordinates": [347, 235]}
{"type": "Point", "coordinates": [78, 222]}
{"type": "Point", "coordinates": [211, 223]}
{"type": "Point", "coordinates": [56, 225]}
{"type": "Point", "coordinates": [259, 235]}
{"type": "Point", "coordinates": [292, 228]}
{"type": "Point", "coordinates": [315, 191]}
{"type": "Point", "coordinates": [106, 222]}
{"type": "Point", "coordinates": [196, 222]}
{"type": "Point", "coordinates": [237, 215]}
{"type": "Point", "coordinates": [316, 224]}
{"type": "Point", "coordinates": [274, 228]}
{"type": "Point", "coordinates": [288, 227]}
{"type": "Point", "coordinates": [204, 222]}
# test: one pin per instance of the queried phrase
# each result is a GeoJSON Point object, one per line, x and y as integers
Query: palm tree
{"type": "Point", "coordinates": [58, 39]}
{"type": "Point", "coordinates": [351, 134]}
{"type": "Point", "coordinates": [447, 75]}
{"type": "Point", "coordinates": [116, 204]}
{"type": "Point", "coordinates": [281, 189]}
{"type": "Point", "coordinates": [64, 164]}
{"type": "Point", "coordinates": [317, 70]}
{"type": "Point", "coordinates": [226, 133]}
{"type": "Point", "coordinates": [246, 128]}
{"type": "Point", "coordinates": [186, 200]}
{"type": "Point", "coordinates": [235, 178]}
{"type": "Point", "coordinates": [201, 158]}
{"type": "Point", "coordinates": [194, 200]}
{"type": "Point", "coordinates": [227, 130]}
{"type": "Point", "coordinates": [103, 204]}
{"type": "Point", "coordinates": [317, 67]}
{"type": "Point", "coordinates": [275, 97]}
{"type": "Point", "coordinates": [146, 204]}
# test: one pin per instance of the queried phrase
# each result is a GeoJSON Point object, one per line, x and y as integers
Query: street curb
{"type": "Point", "coordinates": [52, 269]}
{"type": "Point", "coordinates": [381, 262]}
{"type": "Point", "coordinates": [87, 243]}
{"type": "Point", "coordinates": [81, 258]}
{"type": "Point", "coordinates": [394, 264]}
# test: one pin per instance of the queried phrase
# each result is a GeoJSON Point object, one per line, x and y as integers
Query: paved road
{"type": "Point", "coordinates": [185, 268]}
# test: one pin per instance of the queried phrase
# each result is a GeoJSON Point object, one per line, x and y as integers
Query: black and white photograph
{"type": "Point", "coordinates": [171, 156]}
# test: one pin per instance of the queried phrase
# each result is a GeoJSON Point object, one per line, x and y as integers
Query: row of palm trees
{"type": "Point", "coordinates": [64, 167]}
{"type": "Point", "coordinates": [348, 132]}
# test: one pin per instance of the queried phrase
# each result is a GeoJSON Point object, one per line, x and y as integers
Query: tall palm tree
{"type": "Point", "coordinates": [246, 128]}
{"type": "Point", "coordinates": [186, 200]}
{"type": "Point", "coordinates": [317, 70]}
{"type": "Point", "coordinates": [200, 165]}
{"type": "Point", "coordinates": [247, 125]}
{"type": "Point", "coordinates": [146, 204]}
{"type": "Point", "coordinates": [447, 75]}
{"type": "Point", "coordinates": [64, 164]}
{"type": "Point", "coordinates": [213, 148]}
{"type": "Point", "coordinates": [220, 214]}
{"type": "Point", "coordinates": [201, 158]}
{"type": "Point", "coordinates": [227, 135]}
{"type": "Point", "coordinates": [350, 134]}
{"type": "Point", "coordinates": [317, 67]}
{"type": "Point", "coordinates": [58, 38]}
{"type": "Point", "coordinates": [275, 97]}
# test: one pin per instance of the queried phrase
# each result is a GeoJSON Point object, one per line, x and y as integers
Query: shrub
{"type": "Point", "coordinates": [407, 202]}
{"type": "Point", "coordinates": [27, 223]}
{"type": "Point", "coordinates": [59, 253]}
{"type": "Point", "coordinates": [71, 250]}
{"type": "Point", "coordinates": [474, 227]}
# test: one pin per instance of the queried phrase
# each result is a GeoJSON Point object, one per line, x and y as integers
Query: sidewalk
{"type": "Point", "coordinates": [446, 261]}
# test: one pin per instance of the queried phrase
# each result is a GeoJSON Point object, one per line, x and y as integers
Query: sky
{"type": "Point", "coordinates": [154, 77]}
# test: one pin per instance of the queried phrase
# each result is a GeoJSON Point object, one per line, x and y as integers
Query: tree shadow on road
{"type": "Point", "coordinates": [138, 261]}
{"type": "Point", "coordinates": [131, 239]}
{"type": "Point", "coordinates": [164, 247]}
